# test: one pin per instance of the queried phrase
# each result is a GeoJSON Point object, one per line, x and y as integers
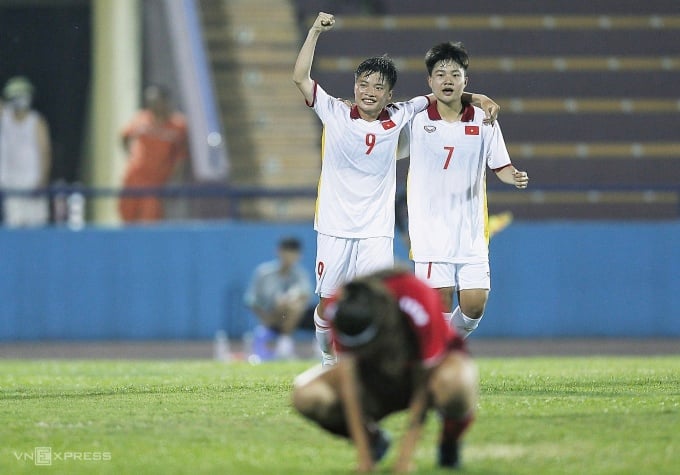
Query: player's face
{"type": "Point", "coordinates": [448, 81]}
{"type": "Point", "coordinates": [371, 94]}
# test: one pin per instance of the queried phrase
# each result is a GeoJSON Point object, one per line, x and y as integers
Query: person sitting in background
{"type": "Point", "coordinates": [278, 294]}
{"type": "Point", "coordinates": [156, 140]}
{"type": "Point", "coordinates": [25, 156]}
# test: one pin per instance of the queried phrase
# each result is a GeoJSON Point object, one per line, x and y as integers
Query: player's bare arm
{"type": "Point", "coordinates": [416, 417]}
{"type": "Point", "coordinates": [512, 176]}
{"type": "Point", "coordinates": [490, 108]}
{"type": "Point", "coordinates": [354, 415]}
{"type": "Point", "coordinates": [303, 65]}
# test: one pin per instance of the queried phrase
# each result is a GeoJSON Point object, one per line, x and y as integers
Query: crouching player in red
{"type": "Point", "coordinates": [396, 352]}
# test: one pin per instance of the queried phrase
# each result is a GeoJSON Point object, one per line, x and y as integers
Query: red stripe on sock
{"type": "Point", "coordinates": [453, 429]}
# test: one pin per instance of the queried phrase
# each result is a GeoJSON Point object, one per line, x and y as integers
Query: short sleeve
{"type": "Point", "coordinates": [403, 147]}
{"type": "Point", "coordinates": [326, 106]}
{"type": "Point", "coordinates": [497, 153]}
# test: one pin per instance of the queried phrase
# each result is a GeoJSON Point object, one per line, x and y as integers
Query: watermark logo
{"type": "Point", "coordinates": [42, 455]}
{"type": "Point", "coordinates": [45, 456]}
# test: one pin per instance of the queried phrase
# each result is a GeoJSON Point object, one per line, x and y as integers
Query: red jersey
{"type": "Point", "coordinates": [421, 306]}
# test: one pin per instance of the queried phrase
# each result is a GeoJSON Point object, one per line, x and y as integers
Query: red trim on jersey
{"type": "Point", "coordinates": [313, 96]}
{"type": "Point", "coordinates": [468, 112]}
{"type": "Point", "coordinates": [496, 170]}
{"type": "Point", "coordinates": [382, 117]}
{"type": "Point", "coordinates": [432, 112]}
{"type": "Point", "coordinates": [354, 114]}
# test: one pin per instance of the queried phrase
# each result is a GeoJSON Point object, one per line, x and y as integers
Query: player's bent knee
{"type": "Point", "coordinates": [314, 399]}
{"type": "Point", "coordinates": [454, 385]}
{"type": "Point", "coordinates": [473, 303]}
{"type": "Point", "coordinates": [474, 311]}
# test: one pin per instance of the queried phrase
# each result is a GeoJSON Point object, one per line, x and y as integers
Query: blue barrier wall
{"type": "Point", "coordinates": [178, 282]}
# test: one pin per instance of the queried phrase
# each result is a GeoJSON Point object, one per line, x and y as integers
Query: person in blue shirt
{"type": "Point", "coordinates": [279, 294]}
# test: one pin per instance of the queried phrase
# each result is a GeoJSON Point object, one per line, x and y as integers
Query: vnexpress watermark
{"type": "Point", "coordinates": [45, 456]}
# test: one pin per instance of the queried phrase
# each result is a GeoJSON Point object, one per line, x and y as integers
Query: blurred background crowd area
{"type": "Point", "coordinates": [590, 96]}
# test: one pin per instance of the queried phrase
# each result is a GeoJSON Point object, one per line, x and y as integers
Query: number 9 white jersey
{"type": "Point", "coordinates": [358, 168]}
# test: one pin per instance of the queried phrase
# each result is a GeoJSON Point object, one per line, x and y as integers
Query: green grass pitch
{"type": "Point", "coordinates": [578, 415]}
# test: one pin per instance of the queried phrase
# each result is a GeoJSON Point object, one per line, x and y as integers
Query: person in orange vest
{"type": "Point", "coordinates": [156, 141]}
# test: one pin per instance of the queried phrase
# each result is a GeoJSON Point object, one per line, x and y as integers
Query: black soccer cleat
{"type": "Point", "coordinates": [449, 454]}
{"type": "Point", "coordinates": [380, 444]}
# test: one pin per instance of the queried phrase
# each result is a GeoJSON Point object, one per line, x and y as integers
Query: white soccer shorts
{"type": "Point", "coordinates": [339, 260]}
{"type": "Point", "coordinates": [459, 276]}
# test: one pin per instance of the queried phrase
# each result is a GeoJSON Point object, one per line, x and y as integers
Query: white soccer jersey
{"type": "Point", "coordinates": [358, 171]}
{"type": "Point", "coordinates": [446, 189]}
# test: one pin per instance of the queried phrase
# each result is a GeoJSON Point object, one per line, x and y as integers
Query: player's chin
{"type": "Point", "coordinates": [446, 98]}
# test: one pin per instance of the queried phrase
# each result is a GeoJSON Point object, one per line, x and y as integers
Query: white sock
{"type": "Point", "coordinates": [463, 324]}
{"type": "Point", "coordinates": [323, 334]}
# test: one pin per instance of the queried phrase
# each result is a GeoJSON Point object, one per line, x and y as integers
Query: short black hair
{"type": "Point", "coordinates": [290, 244]}
{"type": "Point", "coordinates": [382, 65]}
{"type": "Point", "coordinates": [444, 51]}
{"type": "Point", "coordinates": [361, 308]}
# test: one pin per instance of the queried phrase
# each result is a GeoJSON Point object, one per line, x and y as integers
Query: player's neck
{"type": "Point", "coordinates": [369, 117]}
{"type": "Point", "coordinates": [451, 112]}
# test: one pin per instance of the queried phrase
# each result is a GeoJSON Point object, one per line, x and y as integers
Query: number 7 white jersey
{"type": "Point", "coordinates": [446, 190]}
{"type": "Point", "coordinates": [358, 168]}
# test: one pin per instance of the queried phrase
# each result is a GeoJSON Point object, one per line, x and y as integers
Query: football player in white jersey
{"type": "Point", "coordinates": [354, 216]}
{"type": "Point", "coordinates": [450, 149]}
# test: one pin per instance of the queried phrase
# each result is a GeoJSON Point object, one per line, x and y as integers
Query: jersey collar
{"type": "Point", "coordinates": [384, 115]}
{"type": "Point", "coordinates": [468, 112]}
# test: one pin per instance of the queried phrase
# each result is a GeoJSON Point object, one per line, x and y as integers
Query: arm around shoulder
{"type": "Point", "coordinates": [491, 109]}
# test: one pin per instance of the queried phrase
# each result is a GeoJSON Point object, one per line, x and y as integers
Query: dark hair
{"type": "Point", "coordinates": [290, 244]}
{"type": "Point", "coordinates": [382, 65]}
{"type": "Point", "coordinates": [443, 51]}
{"type": "Point", "coordinates": [363, 304]}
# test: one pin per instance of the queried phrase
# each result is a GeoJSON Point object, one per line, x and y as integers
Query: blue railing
{"type": "Point", "coordinates": [234, 196]}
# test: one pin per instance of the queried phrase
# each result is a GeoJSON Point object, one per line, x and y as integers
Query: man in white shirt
{"type": "Point", "coordinates": [25, 156]}
{"type": "Point", "coordinates": [450, 149]}
{"type": "Point", "coordinates": [355, 205]}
